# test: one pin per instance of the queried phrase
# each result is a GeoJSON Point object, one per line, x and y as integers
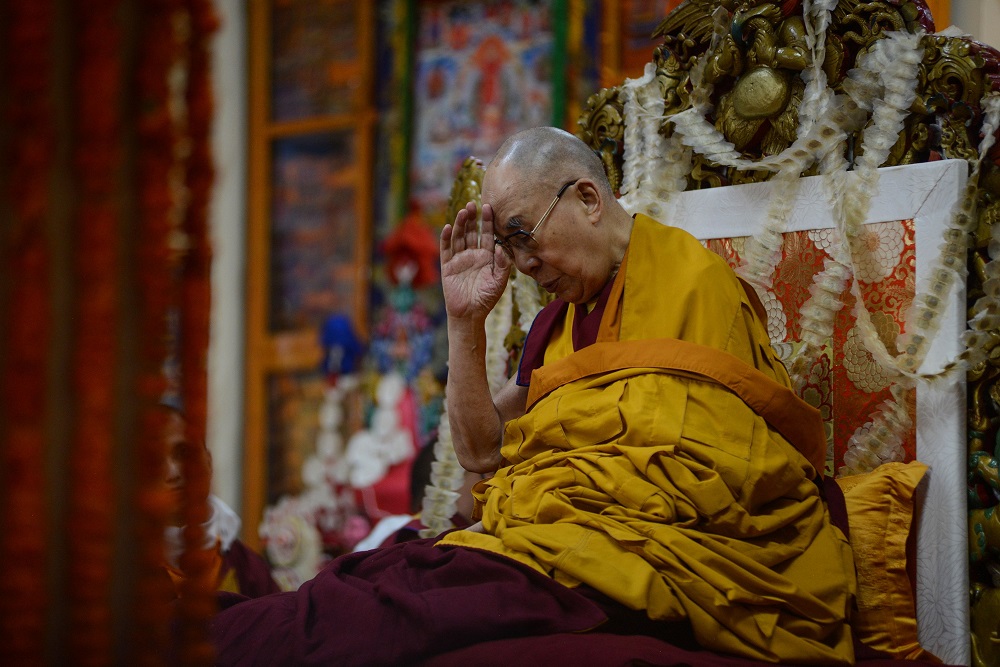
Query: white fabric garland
{"type": "Point", "coordinates": [880, 440]}
{"type": "Point", "coordinates": [884, 85]}
{"type": "Point", "coordinates": [447, 476]}
{"type": "Point", "coordinates": [985, 313]}
{"type": "Point", "coordinates": [498, 323]}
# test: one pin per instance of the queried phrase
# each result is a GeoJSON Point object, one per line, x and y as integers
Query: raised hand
{"type": "Point", "coordinates": [474, 271]}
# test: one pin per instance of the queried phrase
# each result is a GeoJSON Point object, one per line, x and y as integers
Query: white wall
{"type": "Point", "coordinates": [979, 18]}
{"type": "Point", "coordinates": [228, 224]}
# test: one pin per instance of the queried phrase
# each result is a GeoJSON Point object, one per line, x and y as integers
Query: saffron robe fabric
{"type": "Point", "coordinates": [670, 467]}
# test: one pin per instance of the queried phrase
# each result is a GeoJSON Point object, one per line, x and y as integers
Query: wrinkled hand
{"type": "Point", "coordinates": [474, 271]}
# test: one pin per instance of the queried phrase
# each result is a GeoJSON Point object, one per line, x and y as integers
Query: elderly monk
{"type": "Point", "coordinates": [649, 446]}
{"type": "Point", "coordinates": [654, 473]}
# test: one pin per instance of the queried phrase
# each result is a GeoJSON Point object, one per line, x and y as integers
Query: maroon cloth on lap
{"type": "Point", "coordinates": [252, 572]}
{"type": "Point", "coordinates": [399, 605]}
{"type": "Point", "coordinates": [417, 604]}
{"type": "Point", "coordinates": [595, 648]}
{"type": "Point", "coordinates": [411, 531]}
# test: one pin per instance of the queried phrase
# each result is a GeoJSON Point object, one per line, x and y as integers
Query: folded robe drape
{"type": "Point", "coordinates": [670, 467]}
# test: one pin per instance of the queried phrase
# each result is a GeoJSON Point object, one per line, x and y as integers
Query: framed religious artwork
{"type": "Point", "coordinates": [484, 70]}
{"type": "Point", "coordinates": [481, 70]}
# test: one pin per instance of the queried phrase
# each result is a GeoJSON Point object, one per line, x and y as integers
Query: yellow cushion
{"type": "Point", "coordinates": [879, 514]}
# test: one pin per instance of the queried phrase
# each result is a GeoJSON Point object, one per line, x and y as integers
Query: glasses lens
{"type": "Point", "coordinates": [522, 241]}
{"type": "Point", "coordinates": [505, 246]}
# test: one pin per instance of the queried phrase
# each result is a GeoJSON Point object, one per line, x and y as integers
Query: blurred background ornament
{"type": "Point", "coordinates": [411, 251]}
{"type": "Point", "coordinates": [342, 347]}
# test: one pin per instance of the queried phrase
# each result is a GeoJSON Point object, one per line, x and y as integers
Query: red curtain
{"type": "Point", "coordinates": [106, 166]}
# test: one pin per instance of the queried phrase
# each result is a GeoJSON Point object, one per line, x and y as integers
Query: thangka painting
{"type": "Point", "coordinates": [313, 233]}
{"type": "Point", "coordinates": [482, 70]}
{"type": "Point", "coordinates": [315, 51]}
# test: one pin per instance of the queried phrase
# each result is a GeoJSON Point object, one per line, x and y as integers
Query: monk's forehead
{"type": "Point", "coordinates": [505, 188]}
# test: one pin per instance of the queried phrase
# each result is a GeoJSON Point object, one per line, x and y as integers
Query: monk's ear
{"type": "Point", "coordinates": [591, 198]}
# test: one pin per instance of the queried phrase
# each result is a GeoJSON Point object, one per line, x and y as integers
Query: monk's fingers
{"type": "Point", "coordinates": [458, 232]}
{"type": "Point", "coordinates": [500, 259]}
{"type": "Point", "coordinates": [446, 249]}
{"type": "Point", "coordinates": [472, 226]}
{"type": "Point", "coordinates": [488, 233]}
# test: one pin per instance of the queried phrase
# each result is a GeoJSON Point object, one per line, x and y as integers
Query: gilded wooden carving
{"type": "Point", "coordinates": [602, 128]}
{"type": "Point", "coordinates": [467, 187]}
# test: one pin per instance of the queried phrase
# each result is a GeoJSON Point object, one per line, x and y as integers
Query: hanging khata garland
{"type": "Point", "coordinates": [158, 52]}
{"type": "Point", "coordinates": [498, 323]}
{"type": "Point", "coordinates": [197, 603]}
{"type": "Point", "coordinates": [23, 548]}
{"type": "Point", "coordinates": [96, 158]}
{"type": "Point", "coordinates": [447, 476]}
{"type": "Point", "coordinates": [880, 90]}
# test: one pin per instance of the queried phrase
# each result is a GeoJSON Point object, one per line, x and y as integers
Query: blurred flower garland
{"type": "Point", "coordinates": [23, 387]}
{"type": "Point", "coordinates": [96, 157]}
{"type": "Point", "coordinates": [156, 140]}
{"type": "Point", "coordinates": [197, 603]}
{"type": "Point", "coordinates": [173, 182]}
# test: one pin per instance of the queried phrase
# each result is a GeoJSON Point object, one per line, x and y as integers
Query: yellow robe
{"type": "Point", "coordinates": [655, 467]}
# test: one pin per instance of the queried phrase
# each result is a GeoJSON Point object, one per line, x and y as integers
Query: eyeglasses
{"type": "Point", "coordinates": [524, 241]}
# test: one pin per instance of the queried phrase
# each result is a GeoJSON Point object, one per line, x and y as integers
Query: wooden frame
{"type": "Point", "coordinates": [269, 352]}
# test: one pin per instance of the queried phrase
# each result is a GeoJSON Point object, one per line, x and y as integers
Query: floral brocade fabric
{"type": "Point", "coordinates": [887, 274]}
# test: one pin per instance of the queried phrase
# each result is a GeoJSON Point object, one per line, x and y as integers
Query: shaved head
{"type": "Point", "coordinates": [584, 238]}
{"type": "Point", "coordinates": [549, 157]}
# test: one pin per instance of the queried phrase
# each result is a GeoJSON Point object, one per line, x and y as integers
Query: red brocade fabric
{"type": "Point", "coordinates": [845, 383]}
